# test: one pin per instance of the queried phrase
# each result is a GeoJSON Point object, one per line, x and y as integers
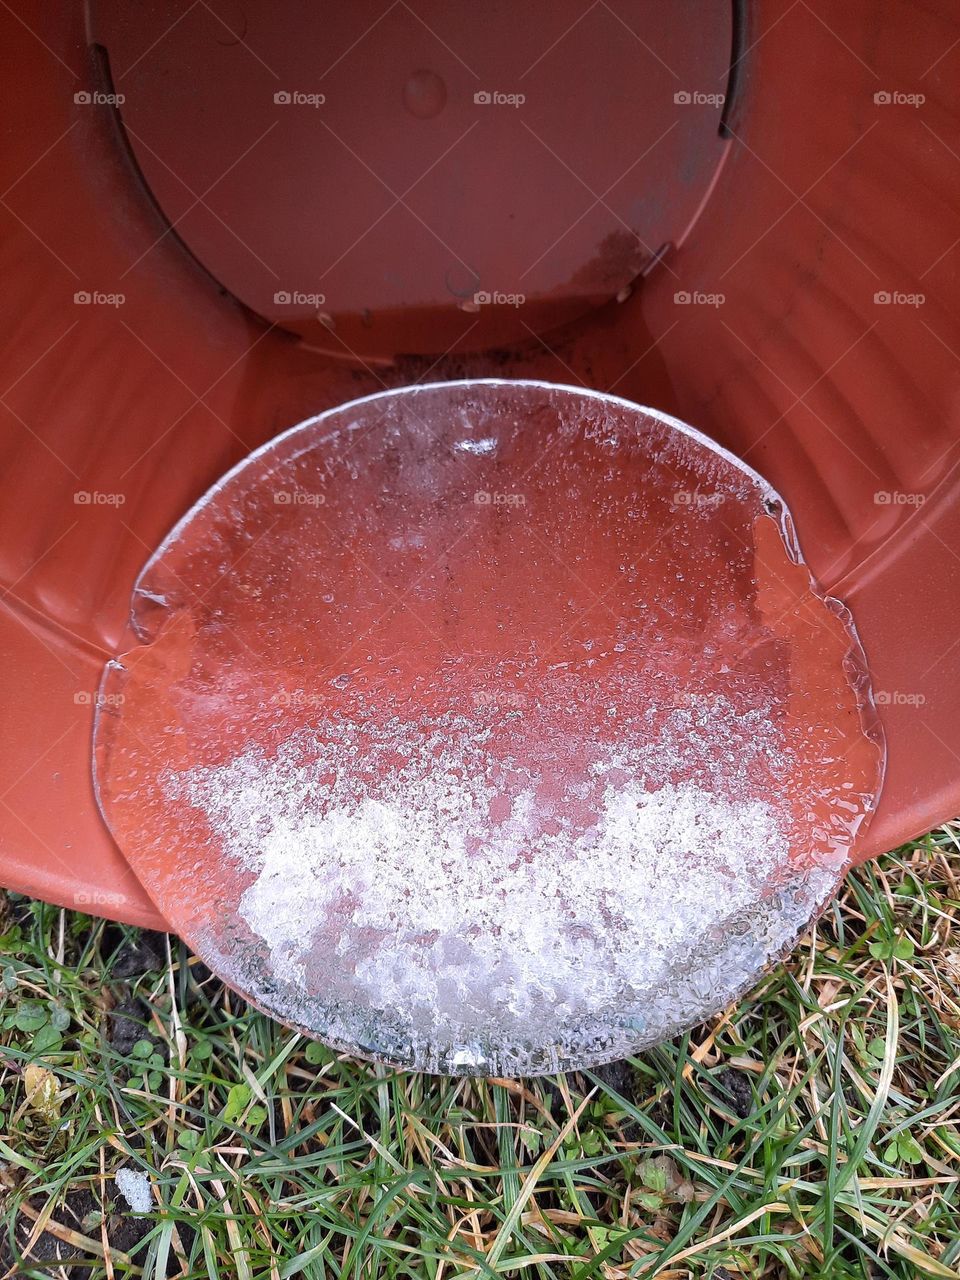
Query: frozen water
{"type": "Point", "coordinates": [493, 759]}
{"type": "Point", "coordinates": [459, 897]}
{"type": "Point", "coordinates": [134, 1186]}
{"type": "Point", "coordinates": [487, 445]}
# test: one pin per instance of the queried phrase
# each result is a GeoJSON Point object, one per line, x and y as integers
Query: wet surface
{"type": "Point", "coordinates": [487, 727]}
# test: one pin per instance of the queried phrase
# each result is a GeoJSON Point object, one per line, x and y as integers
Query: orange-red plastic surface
{"type": "Point", "coordinates": [804, 313]}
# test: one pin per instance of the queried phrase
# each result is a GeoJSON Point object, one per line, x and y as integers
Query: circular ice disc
{"type": "Point", "coordinates": [487, 727]}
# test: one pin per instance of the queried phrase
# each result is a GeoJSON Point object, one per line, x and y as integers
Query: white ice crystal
{"type": "Point", "coordinates": [134, 1186]}
{"type": "Point", "coordinates": [466, 902]}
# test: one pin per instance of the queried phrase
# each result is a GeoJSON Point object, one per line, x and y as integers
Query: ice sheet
{"type": "Point", "coordinates": [488, 727]}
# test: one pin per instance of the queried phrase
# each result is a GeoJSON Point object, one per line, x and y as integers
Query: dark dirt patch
{"type": "Point", "coordinates": [127, 1024]}
{"type": "Point", "coordinates": [48, 1248]}
{"type": "Point", "coordinates": [15, 908]}
{"type": "Point", "coordinates": [618, 1076]}
{"type": "Point", "coordinates": [77, 1213]}
{"type": "Point", "coordinates": [138, 955]}
{"type": "Point", "coordinates": [621, 1078]}
{"type": "Point", "coordinates": [80, 1211]}
{"type": "Point", "coordinates": [735, 1091]}
{"type": "Point", "coordinates": [125, 1231]}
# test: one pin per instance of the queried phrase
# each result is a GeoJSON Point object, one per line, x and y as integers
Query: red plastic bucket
{"type": "Point", "coordinates": [218, 222]}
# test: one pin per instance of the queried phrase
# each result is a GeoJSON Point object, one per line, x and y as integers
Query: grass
{"type": "Point", "coordinates": [813, 1130]}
